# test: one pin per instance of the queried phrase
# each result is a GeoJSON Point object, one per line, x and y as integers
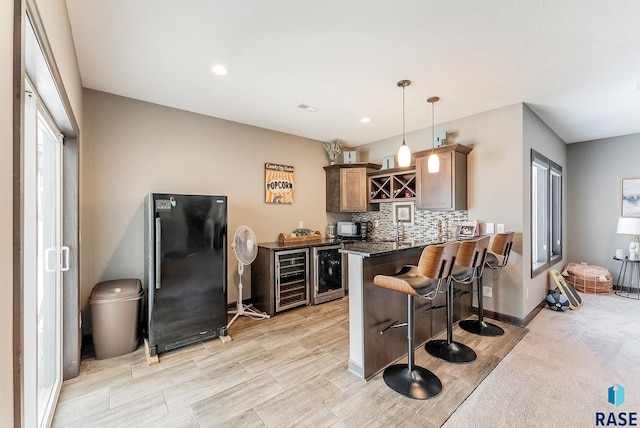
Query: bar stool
{"type": "Point", "coordinates": [496, 259]}
{"type": "Point", "coordinates": [424, 281]}
{"type": "Point", "coordinates": [468, 262]}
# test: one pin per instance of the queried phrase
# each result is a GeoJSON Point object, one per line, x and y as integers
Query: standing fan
{"type": "Point", "coordinates": [244, 245]}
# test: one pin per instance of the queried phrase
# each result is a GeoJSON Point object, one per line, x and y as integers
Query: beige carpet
{"type": "Point", "coordinates": [559, 373]}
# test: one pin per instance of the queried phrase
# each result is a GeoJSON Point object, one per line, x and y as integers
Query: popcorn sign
{"type": "Point", "coordinates": [279, 188]}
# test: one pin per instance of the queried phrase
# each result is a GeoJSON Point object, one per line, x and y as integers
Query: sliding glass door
{"type": "Point", "coordinates": [45, 260]}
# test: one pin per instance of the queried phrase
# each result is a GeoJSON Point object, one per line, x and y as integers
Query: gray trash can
{"type": "Point", "coordinates": [114, 315]}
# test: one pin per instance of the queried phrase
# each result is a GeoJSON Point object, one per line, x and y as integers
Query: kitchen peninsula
{"type": "Point", "coordinates": [372, 309]}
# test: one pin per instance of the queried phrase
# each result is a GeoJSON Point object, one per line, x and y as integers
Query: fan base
{"type": "Point", "coordinates": [248, 311]}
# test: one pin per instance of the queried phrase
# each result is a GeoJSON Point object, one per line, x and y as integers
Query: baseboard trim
{"type": "Point", "coordinates": [534, 312]}
{"type": "Point", "coordinates": [520, 322]}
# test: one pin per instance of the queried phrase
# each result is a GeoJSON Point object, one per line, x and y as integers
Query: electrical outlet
{"type": "Point", "coordinates": [526, 293]}
{"type": "Point", "coordinates": [500, 228]}
{"type": "Point", "coordinates": [376, 223]}
{"type": "Point", "coordinates": [490, 228]}
{"type": "Point", "coordinates": [487, 291]}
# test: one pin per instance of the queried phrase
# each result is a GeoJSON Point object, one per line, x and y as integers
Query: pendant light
{"type": "Point", "coordinates": [433, 163]}
{"type": "Point", "coordinates": [404, 154]}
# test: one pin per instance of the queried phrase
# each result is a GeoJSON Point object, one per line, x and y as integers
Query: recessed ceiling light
{"type": "Point", "coordinates": [365, 120]}
{"type": "Point", "coordinates": [307, 107]}
{"type": "Point", "coordinates": [220, 70]}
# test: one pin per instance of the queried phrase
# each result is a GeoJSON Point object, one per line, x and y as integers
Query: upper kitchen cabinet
{"type": "Point", "coordinates": [447, 188]}
{"type": "Point", "coordinates": [389, 185]}
{"type": "Point", "coordinates": [348, 187]}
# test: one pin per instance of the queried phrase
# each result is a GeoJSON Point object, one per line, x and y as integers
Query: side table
{"type": "Point", "coordinates": [628, 279]}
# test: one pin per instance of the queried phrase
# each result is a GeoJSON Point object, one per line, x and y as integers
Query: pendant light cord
{"type": "Point", "coordinates": [433, 101]}
{"type": "Point", "coordinates": [433, 124]}
{"type": "Point", "coordinates": [403, 115]}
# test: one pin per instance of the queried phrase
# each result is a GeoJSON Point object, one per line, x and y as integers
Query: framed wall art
{"type": "Point", "coordinates": [631, 197]}
{"type": "Point", "coordinates": [279, 188]}
{"type": "Point", "coordinates": [403, 211]}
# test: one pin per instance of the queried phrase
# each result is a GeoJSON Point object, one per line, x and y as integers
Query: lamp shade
{"type": "Point", "coordinates": [404, 155]}
{"type": "Point", "coordinates": [433, 164]}
{"type": "Point", "coordinates": [629, 225]}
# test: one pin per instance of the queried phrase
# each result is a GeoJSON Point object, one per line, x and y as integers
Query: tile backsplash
{"type": "Point", "coordinates": [425, 226]}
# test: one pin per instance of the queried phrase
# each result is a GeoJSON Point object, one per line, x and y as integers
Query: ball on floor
{"type": "Point", "coordinates": [557, 301]}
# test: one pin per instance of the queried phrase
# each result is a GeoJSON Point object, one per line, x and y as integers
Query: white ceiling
{"type": "Point", "coordinates": [576, 63]}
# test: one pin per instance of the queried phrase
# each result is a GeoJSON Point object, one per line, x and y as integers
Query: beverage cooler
{"type": "Point", "coordinates": [292, 278]}
{"type": "Point", "coordinates": [328, 274]}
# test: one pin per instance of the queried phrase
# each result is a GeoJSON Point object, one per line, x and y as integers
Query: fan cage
{"type": "Point", "coordinates": [245, 245]}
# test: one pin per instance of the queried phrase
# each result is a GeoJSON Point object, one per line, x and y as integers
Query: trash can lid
{"type": "Point", "coordinates": [116, 290]}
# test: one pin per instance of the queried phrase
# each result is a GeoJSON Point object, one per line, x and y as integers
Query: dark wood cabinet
{"type": "Point", "coordinates": [446, 189]}
{"type": "Point", "coordinates": [391, 185]}
{"type": "Point", "coordinates": [263, 289]}
{"type": "Point", "coordinates": [348, 187]}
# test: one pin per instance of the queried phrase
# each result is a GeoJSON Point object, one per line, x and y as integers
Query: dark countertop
{"type": "Point", "coordinates": [362, 248]}
{"type": "Point", "coordinates": [279, 246]}
{"type": "Point", "coordinates": [378, 248]}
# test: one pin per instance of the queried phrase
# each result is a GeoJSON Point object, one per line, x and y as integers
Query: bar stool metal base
{"type": "Point", "coordinates": [418, 383]}
{"type": "Point", "coordinates": [454, 352]}
{"type": "Point", "coordinates": [481, 328]}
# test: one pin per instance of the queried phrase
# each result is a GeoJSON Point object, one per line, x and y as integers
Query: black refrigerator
{"type": "Point", "coordinates": [185, 269]}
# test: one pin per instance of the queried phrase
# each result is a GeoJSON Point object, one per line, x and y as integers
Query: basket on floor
{"type": "Point", "coordinates": [588, 279]}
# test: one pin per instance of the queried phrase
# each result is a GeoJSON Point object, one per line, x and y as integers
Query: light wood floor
{"type": "Point", "coordinates": [290, 370]}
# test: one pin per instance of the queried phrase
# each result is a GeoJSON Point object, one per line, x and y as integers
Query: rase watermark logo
{"type": "Point", "coordinates": [615, 396]}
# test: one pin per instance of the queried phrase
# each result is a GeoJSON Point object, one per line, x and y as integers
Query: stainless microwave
{"type": "Point", "coordinates": [351, 230]}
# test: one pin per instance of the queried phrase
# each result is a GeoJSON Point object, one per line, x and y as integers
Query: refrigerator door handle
{"type": "Point", "coordinates": [158, 260]}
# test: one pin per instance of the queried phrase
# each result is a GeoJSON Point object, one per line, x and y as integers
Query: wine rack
{"type": "Point", "coordinates": [397, 184]}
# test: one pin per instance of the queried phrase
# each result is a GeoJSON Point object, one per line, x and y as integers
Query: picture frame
{"type": "Point", "coordinates": [279, 185]}
{"type": "Point", "coordinates": [631, 197]}
{"type": "Point", "coordinates": [404, 211]}
{"type": "Point", "coordinates": [467, 229]}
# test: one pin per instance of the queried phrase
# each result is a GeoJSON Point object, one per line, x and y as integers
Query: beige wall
{"type": "Point", "coordinates": [495, 179]}
{"type": "Point", "coordinates": [6, 218]}
{"type": "Point", "coordinates": [131, 148]}
{"type": "Point", "coordinates": [539, 137]}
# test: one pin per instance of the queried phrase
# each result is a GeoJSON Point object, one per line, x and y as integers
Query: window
{"type": "Point", "coordinates": [546, 213]}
